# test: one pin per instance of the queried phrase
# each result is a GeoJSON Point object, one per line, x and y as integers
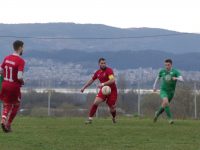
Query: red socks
{"type": "Point", "coordinates": [5, 112]}
{"type": "Point", "coordinates": [113, 113]}
{"type": "Point", "coordinates": [13, 113]}
{"type": "Point", "coordinates": [93, 110]}
{"type": "Point", "coordinates": [9, 113]}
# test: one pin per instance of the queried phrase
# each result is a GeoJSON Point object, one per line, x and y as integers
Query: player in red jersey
{"type": "Point", "coordinates": [12, 70]}
{"type": "Point", "coordinates": [106, 77]}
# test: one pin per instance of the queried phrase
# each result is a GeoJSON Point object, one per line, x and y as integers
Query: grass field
{"type": "Point", "coordinates": [127, 134]}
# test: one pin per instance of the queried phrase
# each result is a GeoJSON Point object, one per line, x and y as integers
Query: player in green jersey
{"type": "Point", "coordinates": [169, 77]}
{"type": "Point", "coordinates": [1, 80]}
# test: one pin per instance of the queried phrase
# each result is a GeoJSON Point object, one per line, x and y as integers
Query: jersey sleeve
{"type": "Point", "coordinates": [1, 80]}
{"type": "Point", "coordinates": [177, 73]}
{"type": "Point", "coordinates": [160, 74]}
{"type": "Point", "coordinates": [94, 77]}
{"type": "Point", "coordinates": [21, 66]}
{"type": "Point", "coordinates": [2, 67]}
{"type": "Point", "coordinates": [3, 64]}
{"type": "Point", "coordinates": [110, 74]}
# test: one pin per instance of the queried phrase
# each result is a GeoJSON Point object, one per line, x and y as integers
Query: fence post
{"type": "Point", "coordinates": [49, 102]}
{"type": "Point", "coordinates": [195, 101]}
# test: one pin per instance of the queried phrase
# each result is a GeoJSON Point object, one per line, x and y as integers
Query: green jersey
{"type": "Point", "coordinates": [1, 80]}
{"type": "Point", "coordinates": [167, 83]}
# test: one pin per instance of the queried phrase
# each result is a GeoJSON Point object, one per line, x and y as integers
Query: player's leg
{"type": "Point", "coordinates": [113, 112]}
{"type": "Point", "coordinates": [11, 96]}
{"type": "Point", "coordinates": [6, 107]}
{"type": "Point", "coordinates": [4, 118]}
{"type": "Point", "coordinates": [165, 105]}
{"type": "Point", "coordinates": [158, 113]}
{"type": "Point", "coordinates": [15, 107]}
{"type": "Point", "coordinates": [12, 115]}
{"type": "Point", "coordinates": [111, 102]}
{"type": "Point", "coordinates": [93, 109]}
{"type": "Point", "coordinates": [163, 94]}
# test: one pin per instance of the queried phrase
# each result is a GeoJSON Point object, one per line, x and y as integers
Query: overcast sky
{"type": "Point", "coordinates": [178, 15]}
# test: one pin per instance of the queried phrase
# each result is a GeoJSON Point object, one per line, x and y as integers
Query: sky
{"type": "Point", "coordinates": [177, 15]}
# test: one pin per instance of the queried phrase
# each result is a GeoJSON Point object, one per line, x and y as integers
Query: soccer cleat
{"type": "Point", "coordinates": [89, 121]}
{"type": "Point", "coordinates": [3, 125]}
{"type": "Point", "coordinates": [171, 121]}
{"type": "Point", "coordinates": [155, 118]}
{"type": "Point", "coordinates": [4, 128]}
{"type": "Point", "coordinates": [114, 120]}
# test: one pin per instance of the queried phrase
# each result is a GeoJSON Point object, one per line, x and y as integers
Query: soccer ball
{"type": "Point", "coordinates": [106, 90]}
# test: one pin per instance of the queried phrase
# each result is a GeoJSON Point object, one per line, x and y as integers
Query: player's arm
{"type": "Point", "coordinates": [111, 78]}
{"type": "Point", "coordinates": [155, 83]}
{"type": "Point", "coordinates": [1, 71]}
{"type": "Point", "coordinates": [110, 81]}
{"type": "Point", "coordinates": [20, 74]}
{"type": "Point", "coordinates": [20, 77]}
{"type": "Point", "coordinates": [179, 78]}
{"type": "Point", "coordinates": [88, 83]}
{"type": "Point", "coordinates": [1, 68]}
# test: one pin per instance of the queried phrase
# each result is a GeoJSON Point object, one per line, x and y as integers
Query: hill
{"type": "Point", "coordinates": [98, 38]}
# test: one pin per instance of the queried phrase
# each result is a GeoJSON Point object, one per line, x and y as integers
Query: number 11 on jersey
{"type": "Point", "coordinates": [9, 72]}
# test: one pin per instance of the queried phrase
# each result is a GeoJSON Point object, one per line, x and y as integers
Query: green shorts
{"type": "Point", "coordinates": [165, 94]}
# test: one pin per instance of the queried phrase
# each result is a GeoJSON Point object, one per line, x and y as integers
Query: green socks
{"type": "Point", "coordinates": [169, 114]}
{"type": "Point", "coordinates": [160, 111]}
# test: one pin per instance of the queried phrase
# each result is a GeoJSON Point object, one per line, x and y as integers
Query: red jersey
{"type": "Point", "coordinates": [104, 76]}
{"type": "Point", "coordinates": [11, 65]}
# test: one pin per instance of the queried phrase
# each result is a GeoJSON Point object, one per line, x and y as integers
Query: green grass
{"type": "Point", "coordinates": [127, 134]}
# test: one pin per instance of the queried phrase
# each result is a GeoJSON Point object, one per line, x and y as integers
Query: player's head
{"type": "Point", "coordinates": [102, 63]}
{"type": "Point", "coordinates": [18, 46]}
{"type": "Point", "coordinates": [168, 64]}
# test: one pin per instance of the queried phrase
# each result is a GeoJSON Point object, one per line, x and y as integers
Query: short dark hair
{"type": "Point", "coordinates": [101, 59]}
{"type": "Point", "coordinates": [17, 44]}
{"type": "Point", "coordinates": [168, 61]}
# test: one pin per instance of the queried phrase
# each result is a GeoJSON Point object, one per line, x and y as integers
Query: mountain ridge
{"type": "Point", "coordinates": [177, 44]}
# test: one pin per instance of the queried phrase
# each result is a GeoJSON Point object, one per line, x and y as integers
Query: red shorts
{"type": "Point", "coordinates": [110, 99]}
{"type": "Point", "coordinates": [10, 93]}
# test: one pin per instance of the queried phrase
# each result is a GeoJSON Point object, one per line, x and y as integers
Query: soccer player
{"type": "Point", "coordinates": [12, 70]}
{"type": "Point", "coordinates": [1, 80]}
{"type": "Point", "coordinates": [169, 77]}
{"type": "Point", "coordinates": [106, 77]}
